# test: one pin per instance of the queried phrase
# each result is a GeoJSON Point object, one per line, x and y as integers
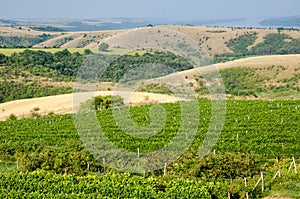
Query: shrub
{"type": "Point", "coordinates": [12, 117]}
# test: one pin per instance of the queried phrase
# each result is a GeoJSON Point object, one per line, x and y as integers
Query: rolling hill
{"type": "Point", "coordinates": [41, 147]}
{"type": "Point", "coordinates": [213, 39]}
{"type": "Point", "coordinates": [277, 70]}
{"type": "Point", "coordinates": [261, 77]}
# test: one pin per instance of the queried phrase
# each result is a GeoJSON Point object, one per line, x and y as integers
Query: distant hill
{"type": "Point", "coordinates": [277, 75]}
{"type": "Point", "coordinates": [80, 24]}
{"type": "Point", "coordinates": [282, 22]}
{"type": "Point", "coordinates": [47, 28]}
{"type": "Point", "coordinates": [261, 77]}
{"type": "Point", "coordinates": [223, 44]}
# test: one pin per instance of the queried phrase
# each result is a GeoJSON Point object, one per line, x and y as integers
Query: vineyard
{"type": "Point", "coordinates": [45, 157]}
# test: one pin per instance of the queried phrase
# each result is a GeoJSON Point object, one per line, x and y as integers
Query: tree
{"type": "Point", "coordinates": [2, 58]}
{"type": "Point", "coordinates": [12, 117]}
{"type": "Point", "coordinates": [103, 47]}
{"type": "Point", "coordinates": [87, 51]}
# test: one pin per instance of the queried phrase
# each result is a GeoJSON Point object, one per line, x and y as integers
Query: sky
{"type": "Point", "coordinates": [167, 9]}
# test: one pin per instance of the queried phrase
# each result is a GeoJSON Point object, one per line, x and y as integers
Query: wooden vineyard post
{"type": "Point", "coordinates": [17, 163]}
{"type": "Point", "coordinates": [165, 169]}
{"type": "Point", "coordinates": [278, 173]}
{"type": "Point", "coordinates": [262, 182]}
{"type": "Point", "coordinates": [247, 195]}
{"type": "Point", "coordinates": [88, 166]}
{"type": "Point", "coordinates": [103, 160]}
{"type": "Point", "coordinates": [293, 164]}
{"type": "Point", "coordinates": [138, 152]}
{"type": "Point", "coordinates": [290, 167]}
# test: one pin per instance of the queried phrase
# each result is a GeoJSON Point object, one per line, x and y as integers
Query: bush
{"type": "Point", "coordinates": [103, 47]}
{"type": "Point", "coordinates": [12, 117]}
{"type": "Point", "coordinates": [102, 103]}
{"type": "Point", "coordinates": [228, 166]}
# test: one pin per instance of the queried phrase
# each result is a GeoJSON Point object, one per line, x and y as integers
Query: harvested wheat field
{"type": "Point", "coordinates": [63, 104]}
{"type": "Point", "coordinates": [290, 61]}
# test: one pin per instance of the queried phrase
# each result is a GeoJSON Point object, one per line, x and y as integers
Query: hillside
{"type": "Point", "coordinates": [78, 39]}
{"type": "Point", "coordinates": [21, 31]}
{"type": "Point", "coordinates": [292, 62]}
{"type": "Point", "coordinates": [37, 73]}
{"type": "Point", "coordinates": [261, 77]}
{"type": "Point", "coordinates": [23, 36]}
{"type": "Point", "coordinates": [214, 40]}
{"type": "Point", "coordinates": [277, 70]}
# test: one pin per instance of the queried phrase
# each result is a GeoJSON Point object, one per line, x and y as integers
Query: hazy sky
{"type": "Point", "coordinates": [169, 9]}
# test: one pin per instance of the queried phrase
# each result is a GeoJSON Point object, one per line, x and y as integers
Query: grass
{"type": "Point", "coordinates": [283, 95]}
{"type": "Point", "coordinates": [7, 167]}
{"type": "Point", "coordinates": [9, 51]}
{"type": "Point", "coordinates": [155, 88]}
{"type": "Point", "coordinates": [120, 51]}
{"type": "Point", "coordinates": [287, 188]}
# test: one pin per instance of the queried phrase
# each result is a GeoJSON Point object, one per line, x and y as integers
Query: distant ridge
{"type": "Point", "coordinates": [282, 22]}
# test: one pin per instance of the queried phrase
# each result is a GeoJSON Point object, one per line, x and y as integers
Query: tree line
{"type": "Point", "coordinates": [63, 66]}
{"type": "Point", "coordinates": [273, 44]}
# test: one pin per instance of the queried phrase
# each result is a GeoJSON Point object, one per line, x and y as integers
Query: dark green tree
{"type": "Point", "coordinates": [87, 51]}
{"type": "Point", "coordinates": [103, 47]}
{"type": "Point", "coordinates": [2, 58]}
